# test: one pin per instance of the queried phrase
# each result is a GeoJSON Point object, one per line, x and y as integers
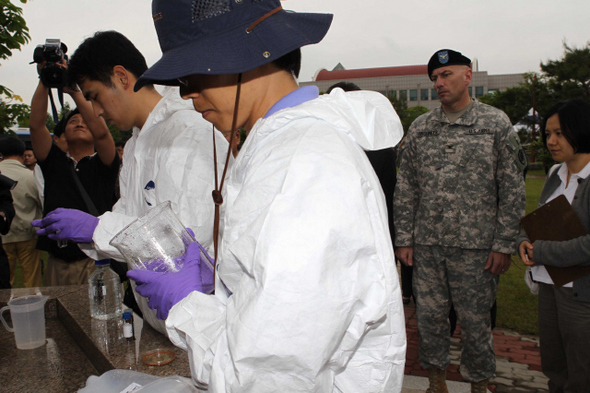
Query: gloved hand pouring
{"type": "Point", "coordinates": [164, 290]}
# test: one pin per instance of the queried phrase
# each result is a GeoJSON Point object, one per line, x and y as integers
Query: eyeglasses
{"type": "Point", "coordinates": [183, 81]}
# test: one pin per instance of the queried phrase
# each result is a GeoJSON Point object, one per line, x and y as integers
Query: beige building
{"type": "Point", "coordinates": [410, 82]}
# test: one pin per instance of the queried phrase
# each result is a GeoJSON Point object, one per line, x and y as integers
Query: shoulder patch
{"type": "Point", "coordinates": [517, 151]}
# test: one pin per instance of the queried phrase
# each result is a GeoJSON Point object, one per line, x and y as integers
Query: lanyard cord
{"type": "Point", "coordinates": [217, 198]}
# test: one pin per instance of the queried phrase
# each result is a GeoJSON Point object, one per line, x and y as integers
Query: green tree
{"type": "Point", "coordinates": [406, 115]}
{"type": "Point", "coordinates": [14, 33]}
{"type": "Point", "coordinates": [399, 104]}
{"type": "Point", "coordinates": [562, 79]}
{"type": "Point", "coordinates": [517, 101]}
{"type": "Point", "coordinates": [12, 113]}
{"type": "Point", "coordinates": [411, 114]}
{"type": "Point", "coordinates": [569, 77]}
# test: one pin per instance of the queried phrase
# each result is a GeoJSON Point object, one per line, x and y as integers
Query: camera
{"type": "Point", "coordinates": [52, 74]}
{"type": "Point", "coordinates": [6, 182]}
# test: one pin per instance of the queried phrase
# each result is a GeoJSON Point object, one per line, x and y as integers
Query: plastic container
{"type": "Point", "coordinates": [156, 241]}
{"type": "Point", "coordinates": [116, 381]}
{"type": "Point", "coordinates": [158, 357]}
{"type": "Point", "coordinates": [28, 320]}
{"type": "Point", "coordinates": [104, 291]}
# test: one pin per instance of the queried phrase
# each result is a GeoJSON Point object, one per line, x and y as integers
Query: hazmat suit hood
{"type": "Point", "coordinates": [365, 116]}
{"type": "Point", "coordinates": [377, 126]}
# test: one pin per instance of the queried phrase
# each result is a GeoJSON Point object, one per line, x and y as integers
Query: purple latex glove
{"type": "Point", "coordinates": [67, 224]}
{"type": "Point", "coordinates": [208, 280]}
{"type": "Point", "coordinates": [164, 290]}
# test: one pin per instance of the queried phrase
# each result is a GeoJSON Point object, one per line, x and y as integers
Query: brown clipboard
{"type": "Point", "coordinates": [556, 221]}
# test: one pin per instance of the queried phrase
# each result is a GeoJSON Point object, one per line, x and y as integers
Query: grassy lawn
{"type": "Point", "coordinates": [517, 307]}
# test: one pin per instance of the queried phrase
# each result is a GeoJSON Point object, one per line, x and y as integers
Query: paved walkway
{"type": "Point", "coordinates": [518, 362]}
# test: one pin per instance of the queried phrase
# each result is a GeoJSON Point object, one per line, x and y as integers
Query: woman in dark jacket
{"type": "Point", "coordinates": [564, 312]}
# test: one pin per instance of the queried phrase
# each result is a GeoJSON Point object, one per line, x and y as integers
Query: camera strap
{"type": "Point", "coordinates": [60, 96]}
{"type": "Point", "coordinates": [89, 205]}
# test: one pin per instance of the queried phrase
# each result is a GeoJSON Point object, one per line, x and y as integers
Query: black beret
{"type": "Point", "coordinates": [446, 57]}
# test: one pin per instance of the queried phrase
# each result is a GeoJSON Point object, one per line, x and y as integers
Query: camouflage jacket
{"type": "Point", "coordinates": [460, 184]}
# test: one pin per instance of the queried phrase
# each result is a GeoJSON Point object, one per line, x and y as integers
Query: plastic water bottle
{"type": "Point", "coordinates": [104, 290]}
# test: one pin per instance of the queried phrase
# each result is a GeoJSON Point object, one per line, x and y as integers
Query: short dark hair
{"type": "Point", "coordinates": [96, 57]}
{"type": "Point", "coordinates": [120, 144]}
{"type": "Point", "coordinates": [346, 86]}
{"type": "Point", "coordinates": [60, 127]}
{"type": "Point", "coordinates": [11, 146]}
{"type": "Point", "coordinates": [574, 119]}
{"type": "Point", "coordinates": [291, 62]}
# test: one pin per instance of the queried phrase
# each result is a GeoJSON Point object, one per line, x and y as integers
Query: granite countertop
{"type": "Point", "coordinates": [78, 346]}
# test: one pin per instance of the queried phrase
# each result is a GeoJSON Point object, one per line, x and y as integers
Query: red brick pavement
{"type": "Point", "coordinates": [511, 347]}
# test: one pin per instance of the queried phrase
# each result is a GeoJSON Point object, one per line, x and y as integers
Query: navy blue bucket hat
{"type": "Point", "coordinates": [226, 36]}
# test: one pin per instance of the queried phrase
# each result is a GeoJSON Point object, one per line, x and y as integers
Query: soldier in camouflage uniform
{"type": "Point", "coordinates": [457, 204]}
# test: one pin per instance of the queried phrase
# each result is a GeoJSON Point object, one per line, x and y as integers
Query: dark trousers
{"type": "Point", "coordinates": [564, 332]}
{"type": "Point", "coordinates": [406, 273]}
{"type": "Point", "coordinates": [4, 270]}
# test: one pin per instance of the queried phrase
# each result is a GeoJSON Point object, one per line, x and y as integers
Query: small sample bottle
{"type": "Point", "coordinates": [104, 290]}
{"type": "Point", "coordinates": [128, 332]}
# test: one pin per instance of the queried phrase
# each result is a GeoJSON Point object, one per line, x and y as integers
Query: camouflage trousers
{"type": "Point", "coordinates": [451, 275]}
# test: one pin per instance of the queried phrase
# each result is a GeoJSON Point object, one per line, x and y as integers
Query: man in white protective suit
{"type": "Point", "coordinates": [307, 296]}
{"type": "Point", "coordinates": [169, 156]}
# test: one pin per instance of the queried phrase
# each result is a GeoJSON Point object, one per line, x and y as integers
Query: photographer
{"type": "Point", "coordinates": [96, 173]}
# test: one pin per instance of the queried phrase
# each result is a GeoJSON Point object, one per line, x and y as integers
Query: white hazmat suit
{"type": "Point", "coordinates": [170, 158]}
{"type": "Point", "coordinates": [309, 299]}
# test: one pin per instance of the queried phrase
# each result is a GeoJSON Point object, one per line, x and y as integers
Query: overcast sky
{"type": "Point", "coordinates": [506, 36]}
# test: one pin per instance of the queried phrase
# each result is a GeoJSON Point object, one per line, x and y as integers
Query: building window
{"type": "Point", "coordinates": [433, 94]}
{"type": "Point", "coordinates": [470, 92]}
{"type": "Point", "coordinates": [423, 94]}
{"type": "Point", "coordinates": [403, 95]}
{"type": "Point", "coordinates": [414, 95]}
{"type": "Point", "coordinates": [392, 94]}
{"type": "Point", "coordinates": [478, 91]}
